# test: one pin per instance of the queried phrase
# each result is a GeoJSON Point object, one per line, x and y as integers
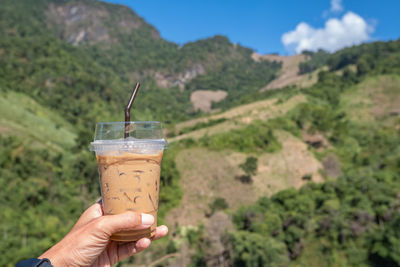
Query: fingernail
{"type": "Point", "coordinates": [147, 219]}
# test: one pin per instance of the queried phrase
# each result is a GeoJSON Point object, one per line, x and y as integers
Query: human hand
{"type": "Point", "coordinates": [88, 243]}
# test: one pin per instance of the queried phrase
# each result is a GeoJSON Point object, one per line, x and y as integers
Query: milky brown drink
{"type": "Point", "coordinates": [129, 171]}
{"type": "Point", "coordinates": [130, 182]}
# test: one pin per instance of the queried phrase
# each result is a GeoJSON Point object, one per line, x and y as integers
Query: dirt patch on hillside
{"type": "Point", "coordinates": [288, 75]}
{"type": "Point", "coordinates": [208, 174]}
{"type": "Point", "coordinates": [293, 166]}
{"type": "Point", "coordinates": [202, 99]}
{"type": "Point", "coordinates": [4, 129]}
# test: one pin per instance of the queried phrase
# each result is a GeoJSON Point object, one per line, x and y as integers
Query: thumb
{"type": "Point", "coordinates": [110, 224]}
{"type": "Point", "coordinates": [88, 215]}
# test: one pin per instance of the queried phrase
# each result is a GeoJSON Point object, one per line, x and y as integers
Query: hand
{"type": "Point", "coordinates": [89, 244]}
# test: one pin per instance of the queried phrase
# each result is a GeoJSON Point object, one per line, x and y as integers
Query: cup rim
{"type": "Point", "coordinates": [134, 122]}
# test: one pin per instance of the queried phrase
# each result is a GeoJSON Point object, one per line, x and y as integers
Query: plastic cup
{"type": "Point", "coordinates": [129, 170]}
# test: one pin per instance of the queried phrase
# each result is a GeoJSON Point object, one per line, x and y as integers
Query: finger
{"type": "Point", "coordinates": [128, 249]}
{"type": "Point", "coordinates": [161, 231]}
{"type": "Point", "coordinates": [129, 220]}
{"type": "Point", "coordinates": [88, 215]}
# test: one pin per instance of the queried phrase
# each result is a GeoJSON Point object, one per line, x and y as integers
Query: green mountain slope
{"type": "Point", "coordinates": [85, 55]}
{"type": "Point", "coordinates": [297, 177]}
{"type": "Point", "coordinates": [38, 126]}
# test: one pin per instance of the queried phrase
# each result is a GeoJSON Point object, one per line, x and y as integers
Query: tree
{"type": "Point", "coordinates": [218, 204]}
{"type": "Point", "coordinates": [385, 244]}
{"type": "Point", "coordinates": [253, 250]}
{"type": "Point", "coordinates": [250, 166]}
{"type": "Point", "coordinates": [362, 67]}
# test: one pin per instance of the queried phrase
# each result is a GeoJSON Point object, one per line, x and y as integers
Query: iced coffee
{"type": "Point", "coordinates": [131, 182]}
{"type": "Point", "coordinates": [129, 171]}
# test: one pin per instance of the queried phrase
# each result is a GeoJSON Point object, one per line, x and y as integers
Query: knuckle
{"type": "Point", "coordinates": [99, 224]}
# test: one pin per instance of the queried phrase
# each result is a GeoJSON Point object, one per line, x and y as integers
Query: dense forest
{"type": "Point", "coordinates": [53, 91]}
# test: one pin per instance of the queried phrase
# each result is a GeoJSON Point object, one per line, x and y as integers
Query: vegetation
{"type": "Point", "coordinates": [218, 204]}
{"type": "Point", "coordinates": [350, 216]}
{"type": "Point", "coordinates": [41, 194]}
{"type": "Point", "coordinates": [349, 221]}
{"type": "Point", "coordinates": [195, 127]}
{"type": "Point", "coordinates": [371, 55]}
{"type": "Point", "coordinates": [52, 93]}
{"type": "Point", "coordinates": [238, 78]}
{"type": "Point", "coordinates": [254, 138]}
{"type": "Point", "coordinates": [315, 60]}
{"type": "Point", "coordinates": [250, 168]}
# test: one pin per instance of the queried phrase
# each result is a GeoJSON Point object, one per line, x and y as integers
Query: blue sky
{"type": "Point", "coordinates": [262, 25]}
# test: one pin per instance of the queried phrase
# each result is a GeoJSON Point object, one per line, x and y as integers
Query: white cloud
{"type": "Point", "coordinates": [336, 34]}
{"type": "Point", "coordinates": [336, 6]}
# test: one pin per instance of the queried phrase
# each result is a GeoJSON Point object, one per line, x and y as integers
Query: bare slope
{"type": "Point", "coordinates": [289, 72]}
{"type": "Point", "coordinates": [208, 174]}
{"type": "Point", "coordinates": [203, 99]}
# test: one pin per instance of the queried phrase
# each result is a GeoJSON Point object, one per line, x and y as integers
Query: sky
{"type": "Point", "coordinates": [284, 27]}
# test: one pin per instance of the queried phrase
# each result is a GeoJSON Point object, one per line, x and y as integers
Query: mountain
{"type": "Point", "coordinates": [303, 175]}
{"type": "Point", "coordinates": [91, 22]}
{"type": "Point", "coordinates": [102, 49]}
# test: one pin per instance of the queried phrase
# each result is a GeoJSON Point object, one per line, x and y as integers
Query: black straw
{"type": "Point", "coordinates": [128, 110]}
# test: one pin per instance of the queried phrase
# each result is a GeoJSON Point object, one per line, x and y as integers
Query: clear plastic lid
{"type": "Point", "coordinates": [143, 137]}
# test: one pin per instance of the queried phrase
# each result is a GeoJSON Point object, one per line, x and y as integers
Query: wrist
{"type": "Point", "coordinates": [44, 262]}
{"type": "Point", "coordinates": [53, 258]}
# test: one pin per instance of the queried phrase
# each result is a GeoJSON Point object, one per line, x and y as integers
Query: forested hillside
{"type": "Point", "coordinates": [65, 65]}
{"type": "Point", "coordinates": [82, 77]}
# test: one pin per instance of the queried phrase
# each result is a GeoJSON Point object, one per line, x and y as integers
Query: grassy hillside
{"type": "Point", "coordinates": [374, 100]}
{"type": "Point", "coordinates": [233, 118]}
{"type": "Point", "coordinates": [38, 126]}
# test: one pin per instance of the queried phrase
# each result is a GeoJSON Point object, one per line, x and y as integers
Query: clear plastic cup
{"type": "Point", "coordinates": [129, 170]}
